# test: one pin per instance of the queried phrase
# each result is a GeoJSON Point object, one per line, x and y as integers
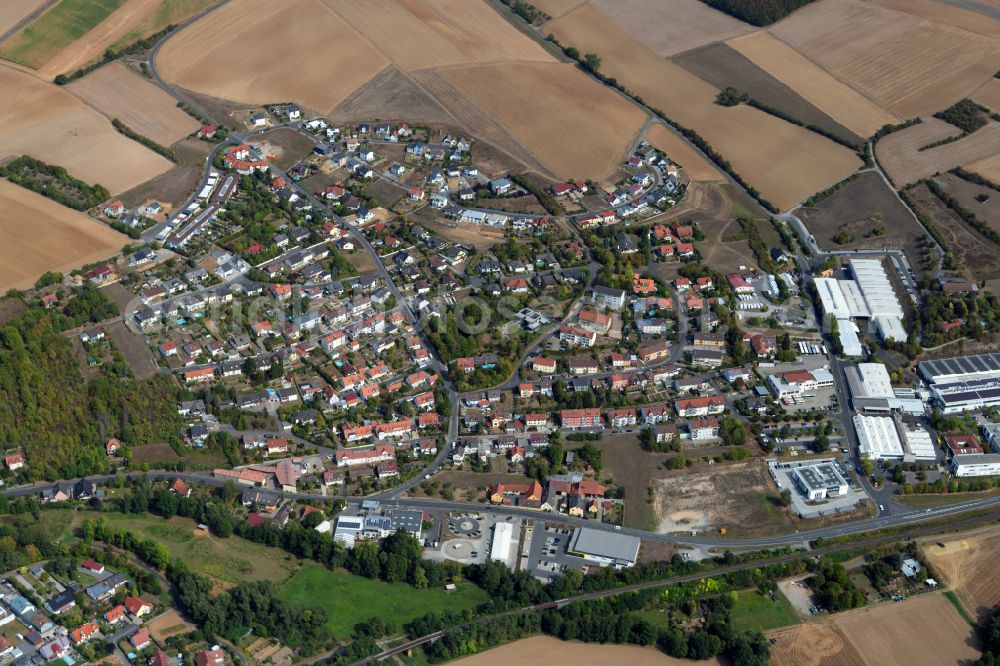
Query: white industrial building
{"type": "Point", "coordinates": [987, 464]}
{"type": "Point", "coordinates": [918, 444]}
{"type": "Point", "coordinates": [991, 434]}
{"type": "Point", "coordinates": [870, 295]}
{"type": "Point", "coordinates": [872, 391]}
{"type": "Point", "coordinates": [500, 548]}
{"type": "Point", "coordinates": [819, 480]}
{"type": "Point", "coordinates": [878, 437]}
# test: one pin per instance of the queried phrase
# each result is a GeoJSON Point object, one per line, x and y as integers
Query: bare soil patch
{"type": "Point", "coordinates": [571, 124]}
{"type": "Point", "coordinates": [167, 625]}
{"type": "Point", "coordinates": [286, 145]}
{"type": "Point", "coordinates": [903, 63]}
{"type": "Point", "coordinates": [813, 644]}
{"type": "Point", "coordinates": [968, 565]}
{"type": "Point", "coordinates": [858, 207]}
{"type": "Point", "coordinates": [464, 234]}
{"type": "Point", "coordinates": [118, 92]}
{"type": "Point", "coordinates": [40, 235]}
{"type": "Point", "coordinates": [785, 162]}
{"type": "Point", "coordinates": [843, 104]}
{"type": "Point", "coordinates": [739, 497]}
{"type": "Point", "coordinates": [260, 52]}
{"type": "Point", "coordinates": [420, 34]}
{"type": "Point", "coordinates": [671, 27]}
{"type": "Point", "coordinates": [696, 166]}
{"type": "Point", "coordinates": [153, 453]}
{"type": "Point", "coordinates": [54, 126]}
{"type": "Point", "coordinates": [970, 249]}
{"type": "Point", "coordinates": [901, 157]}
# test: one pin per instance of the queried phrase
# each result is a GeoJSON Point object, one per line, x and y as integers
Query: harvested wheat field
{"type": "Point", "coordinates": [968, 565]}
{"type": "Point", "coordinates": [901, 157]}
{"type": "Point", "coordinates": [41, 235]}
{"type": "Point", "coordinates": [906, 65]}
{"type": "Point", "coordinates": [259, 52]}
{"type": "Point", "coordinates": [41, 120]}
{"type": "Point", "coordinates": [696, 166]}
{"type": "Point", "coordinates": [842, 103]}
{"type": "Point", "coordinates": [989, 95]}
{"type": "Point", "coordinates": [785, 162]}
{"type": "Point", "coordinates": [575, 127]}
{"type": "Point", "coordinates": [417, 34]}
{"type": "Point", "coordinates": [556, 8]}
{"type": "Point", "coordinates": [118, 92]}
{"type": "Point", "coordinates": [14, 11]}
{"type": "Point", "coordinates": [545, 649]}
{"type": "Point", "coordinates": [133, 20]}
{"type": "Point", "coordinates": [671, 26]}
{"type": "Point", "coordinates": [976, 16]}
{"type": "Point", "coordinates": [987, 168]}
{"type": "Point", "coordinates": [922, 630]}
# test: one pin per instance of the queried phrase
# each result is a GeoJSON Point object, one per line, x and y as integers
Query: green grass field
{"type": "Point", "coordinates": [753, 610]}
{"type": "Point", "coordinates": [56, 29]}
{"type": "Point", "coordinates": [350, 599]}
{"type": "Point", "coordinates": [228, 561]}
{"type": "Point", "coordinates": [947, 499]}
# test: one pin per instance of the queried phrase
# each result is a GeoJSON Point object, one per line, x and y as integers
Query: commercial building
{"type": "Point", "coordinates": [500, 548]}
{"type": "Point", "coordinates": [870, 295]}
{"type": "Point", "coordinates": [963, 383]}
{"type": "Point", "coordinates": [878, 437]}
{"type": "Point", "coordinates": [918, 445]}
{"type": "Point", "coordinates": [794, 382]}
{"type": "Point", "coordinates": [605, 548]}
{"type": "Point", "coordinates": [872, 391]}
{"type": "Point", "coordinates": [987, 464]}
{"type": "Point", "coordinates": [819, 480]}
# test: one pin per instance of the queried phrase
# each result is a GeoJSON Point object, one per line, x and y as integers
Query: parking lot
{"type": "Point", "coordinates": [547, 557]}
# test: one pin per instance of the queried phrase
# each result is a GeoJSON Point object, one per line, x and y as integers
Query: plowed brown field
{"type": "Point", "coordinates": [575, 127]}
{"type": "Point", "coordinates": [259, 51]}
{"type": "Point", "coordinates": [696, 166]}
{"type": "Point", "coordinates": [785, 162]}
{"type": "Point", "coordinates": [40, 235]}
{"type": "Point", "coordinates": [901, 157]}
{"type": "Point", "coordinates": [118, 92]}
{"type": "Point", "coordinates": [922, 630]}
{"type": "Point", "coordinates": [673, 26]}
{"type": "Point", "coordinates": [41, 120]}
{"type": "Point", "coordinates": [905, 64]}
{"type": "Point", "coordinates": [417, 34]}
{"type": "Point", "coordinates": [842, 103]}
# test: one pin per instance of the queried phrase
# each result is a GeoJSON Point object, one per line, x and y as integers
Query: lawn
{"type": "Point", "coordinates": [754, 610]}
{"type": "Point", "coordinates": [56, 29]}
{"type": "Point", "coordinates": [350, 599]}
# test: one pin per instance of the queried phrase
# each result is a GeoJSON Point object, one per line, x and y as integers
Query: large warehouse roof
{"type": "Point", "coordinates": [500, 550]}
{"type": "Point", "coordinates": [947, 370]}
{"type": "Point", "coordinates": [870, 380]}
{"type": "Point", "coordinates": [877, 437]}
{"type": "Point", "coordinates": [832, 298]}
{"type": "Point", "coordinates": [598, 543]}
